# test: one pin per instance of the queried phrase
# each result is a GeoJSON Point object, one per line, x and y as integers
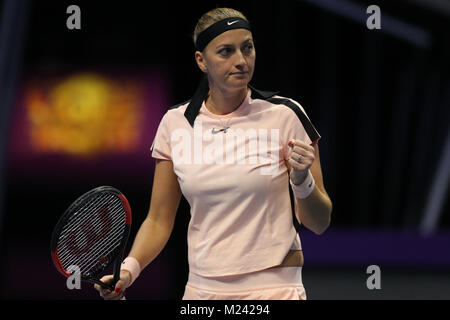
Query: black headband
{"type": "Point", "coordinates": [218, 28]}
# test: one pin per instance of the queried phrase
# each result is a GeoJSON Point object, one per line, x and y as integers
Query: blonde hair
{"type": "Point", "coordinates": [214, 16]}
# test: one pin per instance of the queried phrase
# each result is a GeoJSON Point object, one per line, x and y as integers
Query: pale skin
{"type": "Point", "coordinates": [228, 60]}
{"type": "Point", "coordinates": [314, 212]}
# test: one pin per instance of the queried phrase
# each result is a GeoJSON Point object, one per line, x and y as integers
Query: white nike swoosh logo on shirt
{"type": "Point", "coordinates": [231, 22]}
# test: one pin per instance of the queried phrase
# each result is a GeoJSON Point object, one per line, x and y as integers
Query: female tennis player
{"type": "Point", "coordinates": [233, 151]}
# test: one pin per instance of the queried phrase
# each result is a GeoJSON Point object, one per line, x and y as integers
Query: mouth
{"type": "Point", "coordinates": [238, 73]}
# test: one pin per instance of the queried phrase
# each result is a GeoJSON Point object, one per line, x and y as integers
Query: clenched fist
{"type": "Point", "coordinates": [301, 159]}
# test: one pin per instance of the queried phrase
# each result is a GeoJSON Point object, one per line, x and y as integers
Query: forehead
{"type": "Point", "coordinates": [235, 36]}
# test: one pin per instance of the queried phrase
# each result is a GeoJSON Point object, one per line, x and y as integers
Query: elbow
{"type": "Point", "coordinates": [321, 230]}
{"type": "Point", "coordinates": [324, 226]}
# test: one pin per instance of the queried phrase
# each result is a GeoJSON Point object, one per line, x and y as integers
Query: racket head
{"type": "Point", "coordinates": [92, 234]}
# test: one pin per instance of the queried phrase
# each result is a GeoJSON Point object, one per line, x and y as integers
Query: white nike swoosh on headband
{"type": "Point", "coordinates": [231, 22]}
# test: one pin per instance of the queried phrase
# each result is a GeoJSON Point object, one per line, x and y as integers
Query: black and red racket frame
{"type": "Point", "coordinates": [74, 207]}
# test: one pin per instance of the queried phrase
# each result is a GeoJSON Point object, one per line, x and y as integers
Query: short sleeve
{"type": "Point", "coordinates": [161, 143]}
{"type": "Point", "coordinates": [298, 126]}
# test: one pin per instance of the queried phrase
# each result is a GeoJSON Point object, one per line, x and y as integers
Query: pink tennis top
{"type": "Point", "coordinates": [235, 180]}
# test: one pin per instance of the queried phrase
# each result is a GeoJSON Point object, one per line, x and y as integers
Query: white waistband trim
{"type": "Point", "coordinates": [267, 278]}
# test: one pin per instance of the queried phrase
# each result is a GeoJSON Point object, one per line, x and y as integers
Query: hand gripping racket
{"type": "Point", "coordinates": [91, 234]}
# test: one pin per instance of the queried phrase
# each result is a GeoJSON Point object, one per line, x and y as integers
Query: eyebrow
{"type": "Point", "coordinates": [230, 45]}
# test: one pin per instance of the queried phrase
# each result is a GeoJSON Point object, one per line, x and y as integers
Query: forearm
{"type": "Point", "coordinates": [314, 212]}
{"type": "Point", "coordinates": [149, 242]}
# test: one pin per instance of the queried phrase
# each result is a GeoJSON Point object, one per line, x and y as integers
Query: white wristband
{"type": "Point", "coordinates": [304, 189]}
{"type": "Point", "coordinates": [132, 265]}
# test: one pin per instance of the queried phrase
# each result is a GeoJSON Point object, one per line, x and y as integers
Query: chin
{"type": "Point", "coordinates": [239, 84]}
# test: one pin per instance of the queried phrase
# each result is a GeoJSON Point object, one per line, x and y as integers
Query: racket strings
{"type": "Point", "coordinates": [98, 254]}
{"type": "Point", "coordinates": [82, 217]}
{"type": "Point", "coordinates": [81, 242]}
{"type": "Point", "coordinates": [92, 234]}
{"type": "Point", "coordinates": [81, 238]}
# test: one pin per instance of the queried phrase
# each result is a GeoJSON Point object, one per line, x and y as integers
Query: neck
{"type": "Point", "coordinates": [222, 101]}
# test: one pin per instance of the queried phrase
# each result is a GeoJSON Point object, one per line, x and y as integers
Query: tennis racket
{"type": "Point", "coordinates": [92, 234]}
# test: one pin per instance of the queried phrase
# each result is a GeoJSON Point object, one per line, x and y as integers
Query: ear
{"type": "Point", "coordinates": [201, 61]}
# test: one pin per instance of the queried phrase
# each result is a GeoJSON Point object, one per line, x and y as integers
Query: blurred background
{"type": "Point", "coordinates": [80, 108]}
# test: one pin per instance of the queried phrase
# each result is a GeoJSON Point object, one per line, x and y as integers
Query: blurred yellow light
{"type": "Point", "coordinates": [85, 114]}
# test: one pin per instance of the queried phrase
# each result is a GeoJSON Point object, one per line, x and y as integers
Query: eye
{"type": "Point", "coordinates": [248, 48]}
{"type": "Point", "coordinates": [225, 51]}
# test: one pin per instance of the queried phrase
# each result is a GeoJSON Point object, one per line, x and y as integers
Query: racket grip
{"type": "Point", "coordinates": [109, 286]}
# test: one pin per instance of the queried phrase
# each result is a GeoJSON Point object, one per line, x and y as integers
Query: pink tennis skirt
{"type": "Point", "coordinates": [282, 283]}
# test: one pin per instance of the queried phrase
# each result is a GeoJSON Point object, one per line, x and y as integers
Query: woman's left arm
{"type": "Point", "coordinates": [314, 211]}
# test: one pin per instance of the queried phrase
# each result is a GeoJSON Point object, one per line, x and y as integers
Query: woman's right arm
{"type": "Point", "coordinates": [157, 226]}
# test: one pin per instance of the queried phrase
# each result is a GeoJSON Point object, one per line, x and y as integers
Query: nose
{"type": "Point", "coordinates": [240, 61]}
